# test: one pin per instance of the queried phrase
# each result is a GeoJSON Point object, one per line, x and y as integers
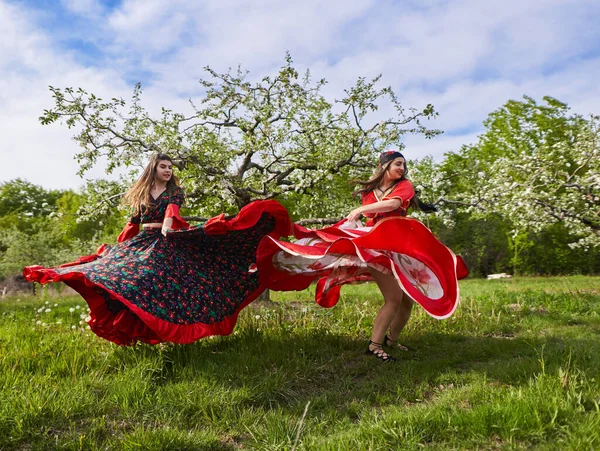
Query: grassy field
{"type": "Point", "coordinates": [516, 367]}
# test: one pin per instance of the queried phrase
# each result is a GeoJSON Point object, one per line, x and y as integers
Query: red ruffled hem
{"type": "Point", "coordinates": [134, 324]}
{"type": "Point", "coordinates": [419, 244]}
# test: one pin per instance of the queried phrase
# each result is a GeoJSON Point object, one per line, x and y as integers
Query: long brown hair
{"type": "Point", "coordinates": [376, 178]}
{"type": "Point", "coordinates": [138, 196]}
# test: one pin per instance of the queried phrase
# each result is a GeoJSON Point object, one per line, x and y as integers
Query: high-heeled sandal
{"type": "Point", "coordinates": [387, 341]}
{"type": "Point", "coordinates": [378, 352]}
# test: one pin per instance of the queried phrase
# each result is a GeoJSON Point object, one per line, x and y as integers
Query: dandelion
{"type": "Point", "coordinates": [47, 310]}
{"type": "Point", "coordinates": [46, 302]}
{"type": "Point", "coordinates": [55, 305]}
{"type": "Point", "coordinates": [37, 323]}
{"type": "Point", "coordinates": [257, 317]}
{"type": "Point", "coordinates": [71, 310]}
{"type": "Point", "coordinates": [58, 323]}
{"type": "Point", "coordinates": [40, 310]}
{"type": "Point", "coordinates": [44, 324]}
{"type": "Point", "coordinates": [77, 307]}
{"type": "Point", "coordinates": [73, 327]}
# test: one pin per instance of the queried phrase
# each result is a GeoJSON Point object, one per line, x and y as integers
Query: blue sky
{"type": "Point", "coordinates": [466, 57]}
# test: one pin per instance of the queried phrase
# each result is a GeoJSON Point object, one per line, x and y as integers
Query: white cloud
{"type": "Point", "coordinates": [417, 147]}
{"type": "Point", "coordinates": [467, 57]}
{"type": "Point", "coordinates": [88, 8]}
{"type": "Point", "coordinates": [42, 155]}
{"type": "Point", "coordinates": [146, 27]}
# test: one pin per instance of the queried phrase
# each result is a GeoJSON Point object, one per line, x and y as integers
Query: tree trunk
{"type": "Point", "coordinates": [264, 300]}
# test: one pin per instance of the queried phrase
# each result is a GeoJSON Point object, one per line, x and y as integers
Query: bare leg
{"type": "Point", "coordinates": [401, 318]}
{"type": "Point", "coordinates": [392, 296]}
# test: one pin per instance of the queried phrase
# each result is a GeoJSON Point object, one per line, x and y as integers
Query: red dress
{"type": "Point", "coordinates": [333, 256]}
{"type": "Point", "coordinates": [403, 191]}
{"type": "Point", "coordinates": [179, 288]}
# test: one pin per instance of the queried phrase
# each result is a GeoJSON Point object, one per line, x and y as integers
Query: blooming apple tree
{"type": "Point", "coordinates": [245, 140]}
{"type": "Point", "coordinates": [535, 165]}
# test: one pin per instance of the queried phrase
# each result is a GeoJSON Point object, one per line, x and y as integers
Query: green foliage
{"type": "Point", "coordinates": [515, 367]}
{"type": "Point", "coordinates": [19, 197]}
{"type": "Point", "coordinates": [43, 245]}
{"type": "Point", "coordinates": [78, 221]}
{"type": "Point", "coordinates": [23, 205]}
{"type": "Point", "coordinates": [49, 227]}
{"type": "Point", "coordinates": [483, 243]}
{"type": "Point", "coordinates": [552, 254]}
{"type": "Point", "coordinates": [536, 165]}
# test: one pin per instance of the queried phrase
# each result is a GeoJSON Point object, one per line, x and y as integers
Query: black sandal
{"type": "Point", "coordinates": [387, 341]}
{"type": "Point", "coordinates": [378, 352]}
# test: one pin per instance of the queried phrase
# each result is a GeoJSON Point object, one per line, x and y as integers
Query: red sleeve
{"type": "Point", "coordinates": [178, 221]}
{"type": "Point", "coordinates": [173, 210]}
{"type": "Point", "coordinates": [403, 190]}
{"type": "Point", "coordinates": [129, 231]}
{"type": "Point", "coordinates": [368, 198]}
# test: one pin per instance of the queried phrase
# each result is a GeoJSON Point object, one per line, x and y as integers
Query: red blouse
{"type": "Point", "coordinates": [403, 191]}
{"type": "Point", "coordinates": [166, 207]}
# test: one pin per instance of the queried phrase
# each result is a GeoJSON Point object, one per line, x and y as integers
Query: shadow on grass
{"type": "Point", "coordinates": [331, 371]}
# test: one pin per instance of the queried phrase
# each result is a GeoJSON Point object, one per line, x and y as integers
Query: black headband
{"type": "Point", "coordinates": [389, 155]}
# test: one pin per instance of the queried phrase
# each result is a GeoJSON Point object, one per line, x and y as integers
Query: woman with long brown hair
{"type": "Point", "coordinates": [400, 254]}
{"type": "Point", "coordinates": [164, 280]}
{"type": "Point", "coordinates": [387, 194]}
{"type": "Point", "coordinates": [156, 186]}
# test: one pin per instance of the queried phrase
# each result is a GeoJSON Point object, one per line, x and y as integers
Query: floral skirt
{"type": "Point", "coordinates": [179, 288]}
{"type": "Point", "coordinates": [424, 268]}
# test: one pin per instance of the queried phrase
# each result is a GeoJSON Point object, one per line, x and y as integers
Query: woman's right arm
{"type": "Point", "coordinates": [131, 229]}
{"type": "Point", "coordinates": [382, 206]}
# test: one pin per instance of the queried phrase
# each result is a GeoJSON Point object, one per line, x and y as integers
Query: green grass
{"type": "Point", "coordinates": [517, 367]}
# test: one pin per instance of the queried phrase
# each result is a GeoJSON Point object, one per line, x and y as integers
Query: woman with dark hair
{"type": "Point", "coordinates": [400, 254]}
{"type": "Point", "coordinates": [166, 281]}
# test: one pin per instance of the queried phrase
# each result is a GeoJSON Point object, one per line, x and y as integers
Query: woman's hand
{"type": "Point", "coordinates": [354, 215]}
{"type": "Point", "coordinates": [166, 227]}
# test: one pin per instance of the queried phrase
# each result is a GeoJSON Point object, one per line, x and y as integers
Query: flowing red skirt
{"type": "Point", "coordinates": [424, 268]}
{"type": "Point", "coordinates": [179, 288]}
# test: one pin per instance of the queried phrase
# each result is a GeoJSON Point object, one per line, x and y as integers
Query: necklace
{"type": "Point", "coordinates": [156, 191]}
{"type": "Point", "coordinates": [383, 192]}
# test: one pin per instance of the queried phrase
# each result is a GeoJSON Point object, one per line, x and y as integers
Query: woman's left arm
{"type": "Point", "coordinates": [172, 216]}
